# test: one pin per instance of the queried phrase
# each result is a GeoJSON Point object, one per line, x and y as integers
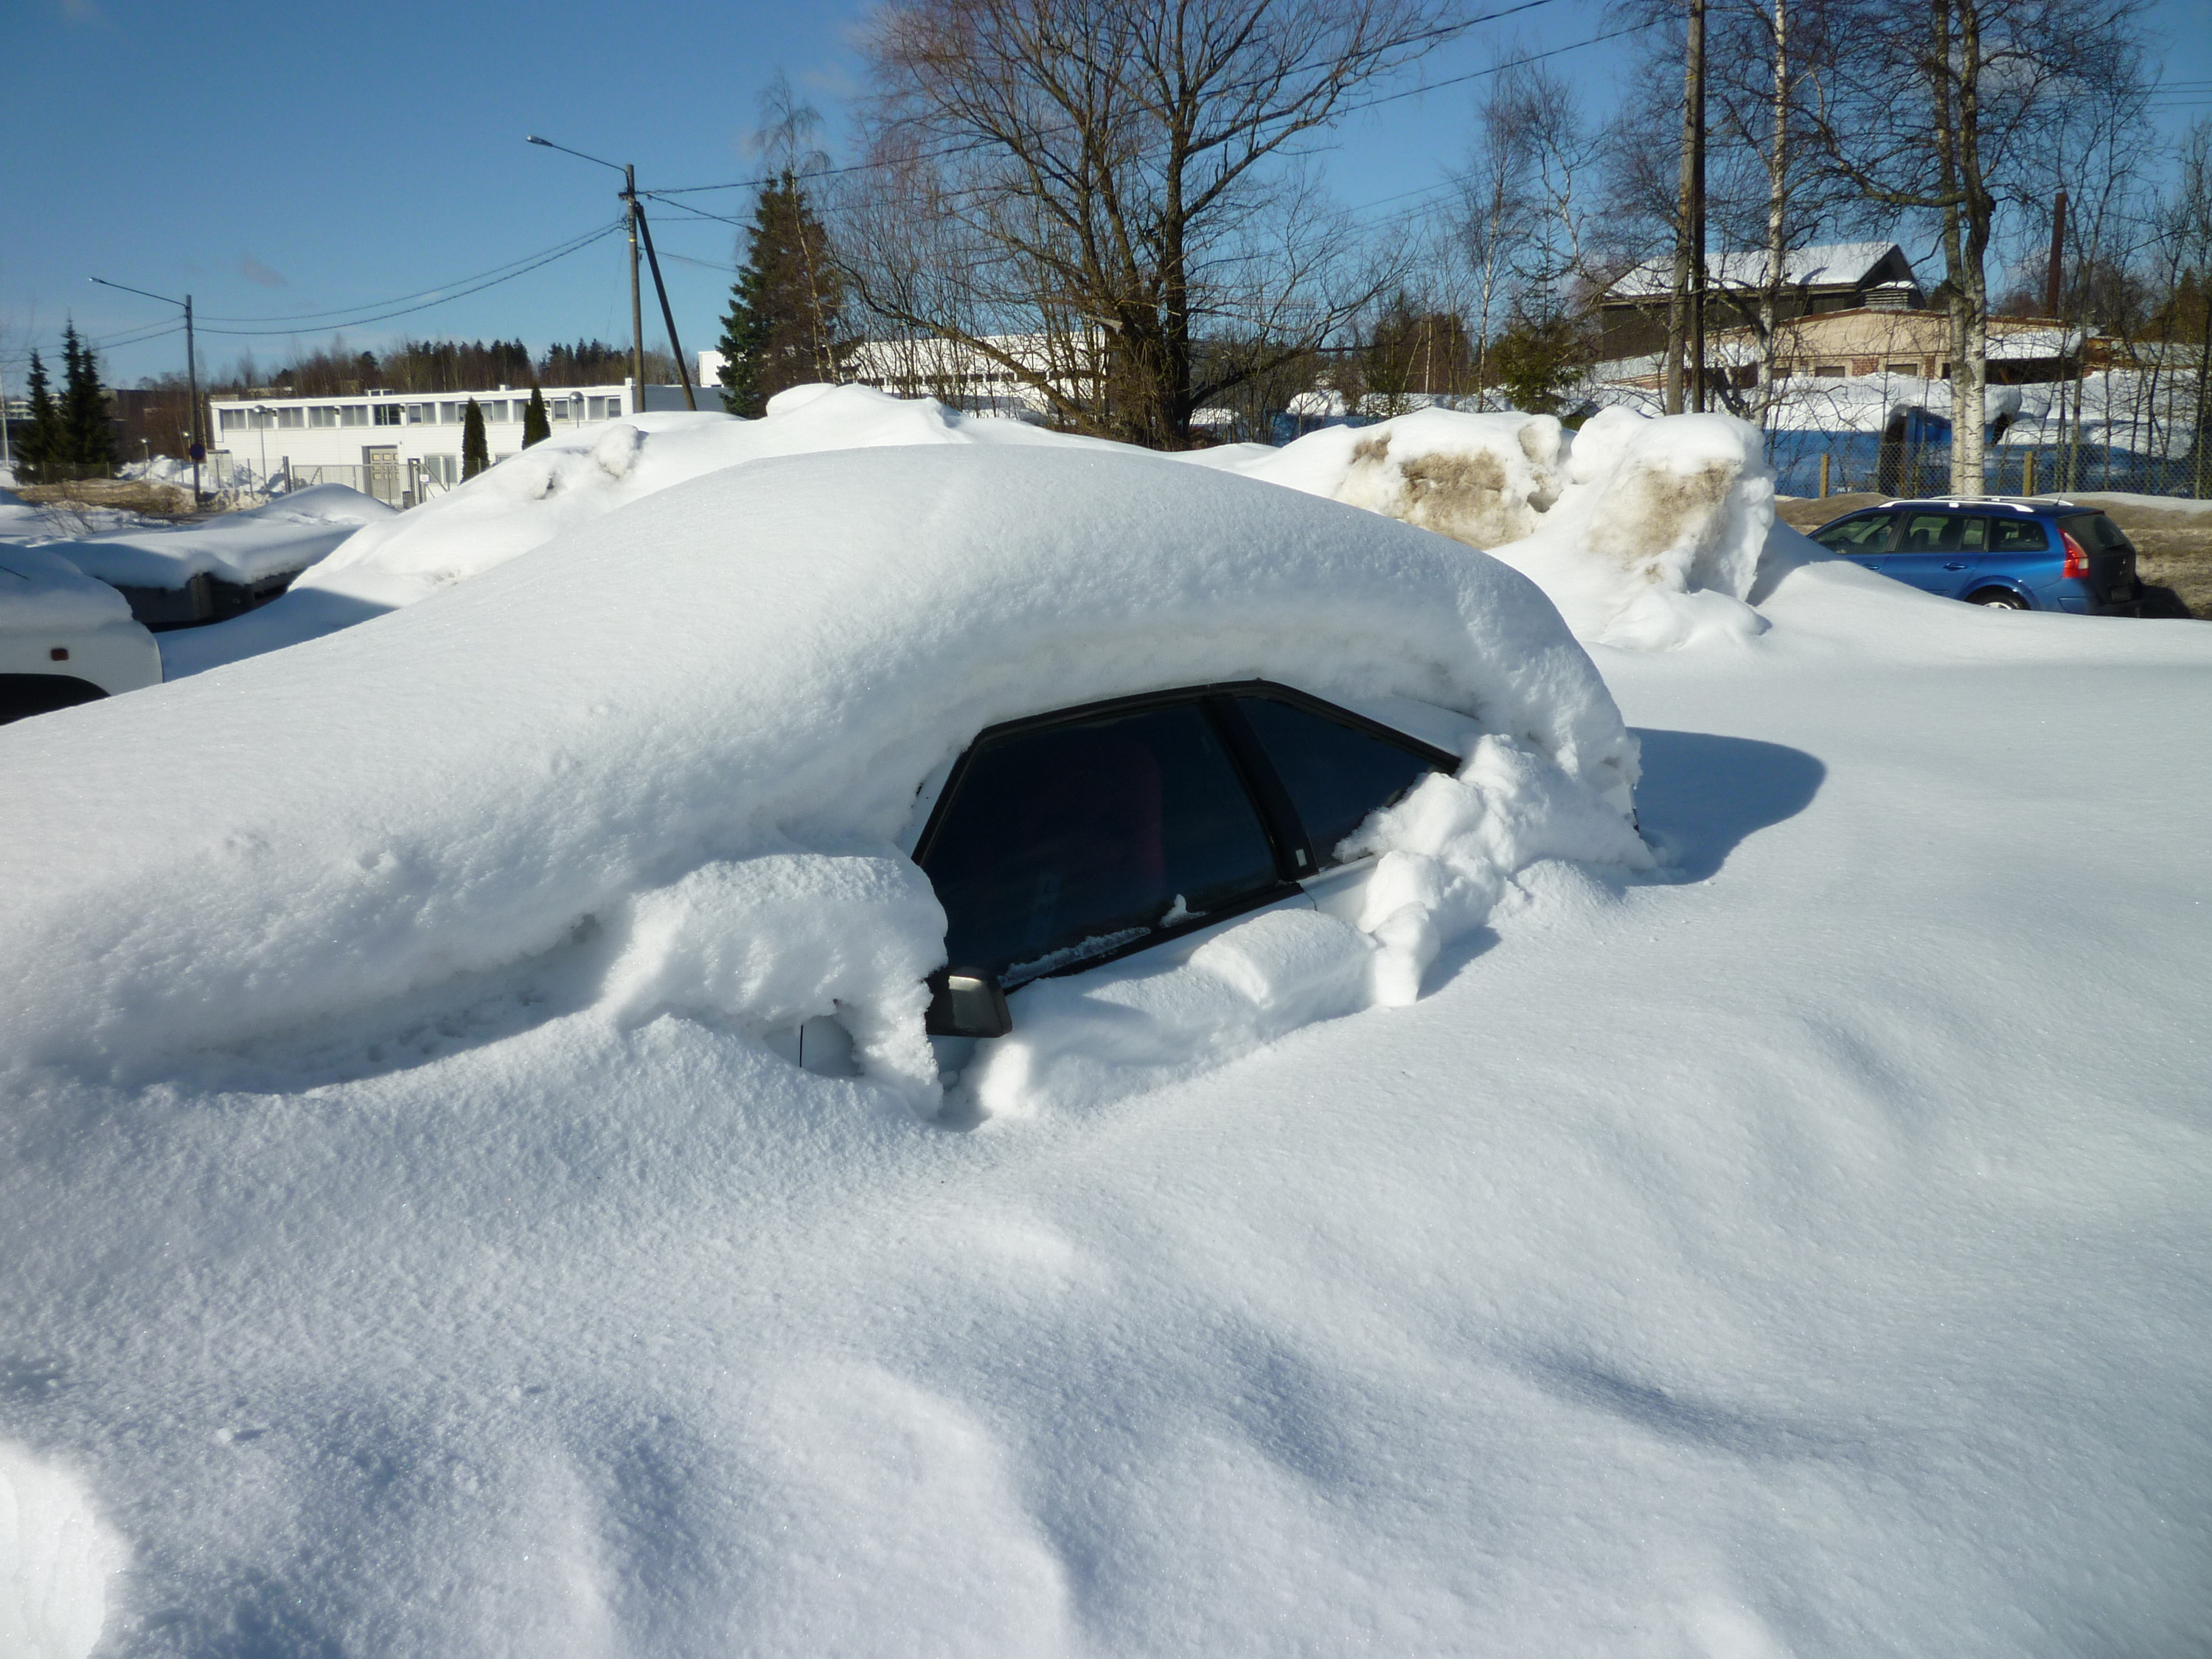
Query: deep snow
{"type": "Point", "coordinates": [289, 533]}
{"type": "Point", "coordinates": [1801, 1251]}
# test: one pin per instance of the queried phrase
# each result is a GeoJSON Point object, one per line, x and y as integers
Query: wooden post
{"type": "Point", "coordinates": [1825, 460]}
{"type": "Point", "coordinates": [2027, 474]}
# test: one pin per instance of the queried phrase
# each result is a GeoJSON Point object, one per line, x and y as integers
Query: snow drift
{"type": "Point", "coordinates": [41, 591]}
{"type": "Point", "coordinates": [630, 737]}
{"type": "Point", "coordinates": [1645, 531]}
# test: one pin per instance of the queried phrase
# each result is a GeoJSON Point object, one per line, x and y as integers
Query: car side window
{"type": "Point", "coordinates": [2017, 535]}
{"type": "Point", "coordinates": [1929, 532]}
{"type": "Point", "coordinates": [1060, 844]}
{"type": "Point", "coordinates": [1335, 773]}
{"type": "Point", "coordinates": [1973, 535]}
{"type": "Point", "coordinates": [1868, 534]}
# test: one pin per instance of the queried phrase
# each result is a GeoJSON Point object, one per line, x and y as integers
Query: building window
{"type": "Point", "coordinates": [231, 419]}
{"type": "Point", "coordinates": [353, 415]}
{"type": "Point", "coordinates": [291, 418]}
{"type": "Point", "coordinates": [388, 414]}
{"type": "Point", "coordinates": [1829, 371]}
{"type": "Point", "coordinates": [322, 414]}
{"type": "Point", "coordinates": [1904, 369]}
{"type": "Point", "coordinates": [495, 410]}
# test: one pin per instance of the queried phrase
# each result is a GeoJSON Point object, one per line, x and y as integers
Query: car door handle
{"type": "Point", "coordinates": [1960, 566]}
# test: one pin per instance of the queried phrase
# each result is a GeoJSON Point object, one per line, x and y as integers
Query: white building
{"type": "Point", "coordinates": [963, 377]}
{"type": "Point", "coordinates": [399, 447]}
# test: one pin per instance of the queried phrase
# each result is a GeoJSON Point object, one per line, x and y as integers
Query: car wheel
{"type": "Point", "coordinates": [1998, 599]}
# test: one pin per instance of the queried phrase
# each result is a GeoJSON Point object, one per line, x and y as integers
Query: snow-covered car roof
{"type": "Point", "coordinates": [762, 661]}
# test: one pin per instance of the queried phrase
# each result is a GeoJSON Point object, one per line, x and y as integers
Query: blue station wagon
{"type": "Point", "coordinates": [2012, 555]}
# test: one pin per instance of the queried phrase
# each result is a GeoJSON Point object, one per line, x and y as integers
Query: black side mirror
{"type": "Point", "coordinates": [966, 1002]}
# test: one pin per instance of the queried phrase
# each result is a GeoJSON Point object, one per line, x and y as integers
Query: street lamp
{"type": "Point", "coordinates": [634, 213]}
{"type": "Point", "coordinates": [264, 413]}
{"type": "Point", "coordinates": [198, 446]}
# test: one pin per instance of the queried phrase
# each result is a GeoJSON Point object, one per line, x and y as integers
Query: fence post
{"type": "Point", "coordinates": [1825, 460]}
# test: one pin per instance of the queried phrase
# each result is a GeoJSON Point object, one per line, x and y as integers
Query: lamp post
{"type": "Point", "coordinates": [197, 449]}
{"type": "Point", "coordinates": [634, 214]}
{"type": "Point", "coordinates": [262, 414]}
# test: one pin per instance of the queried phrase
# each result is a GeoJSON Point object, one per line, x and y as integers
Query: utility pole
{"type": "Point", "coordinates": [667, 316]}
{"type": "Point", "coordinates": [197, 449]}
{"type": "Point", "coordinates": [636, 315]}
{"type": "Point", "coordinates": [1686, 323]}
{"type": "Point", "coordinates": [1697, 72]}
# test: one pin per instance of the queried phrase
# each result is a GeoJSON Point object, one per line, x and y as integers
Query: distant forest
{"type": "Point", "coordinates": [442, 365]}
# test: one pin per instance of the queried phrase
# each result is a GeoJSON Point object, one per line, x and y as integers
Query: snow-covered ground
{"type": "Point", "coordinates": [1799, 1249]}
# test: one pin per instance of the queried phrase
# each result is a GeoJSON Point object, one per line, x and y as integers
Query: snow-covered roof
{"type": "Point", "coordinates": [1834, 264]}
{"type": "Point", "coordinates": [289, 533]}
{"type": "Point", "coordinates": [41, 591]}
{"type": "Point", "coordinates": [765, 660]}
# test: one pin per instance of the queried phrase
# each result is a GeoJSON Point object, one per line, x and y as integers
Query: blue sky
{"type": "Point", "coordinates": [277, 159]}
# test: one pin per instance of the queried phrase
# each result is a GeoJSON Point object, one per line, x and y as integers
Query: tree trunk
{"type": "Point", "coordinates": [1778, 201]}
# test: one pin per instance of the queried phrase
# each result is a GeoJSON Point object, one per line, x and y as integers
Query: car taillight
{"type": "Point", "coordinates": [2077, 561]}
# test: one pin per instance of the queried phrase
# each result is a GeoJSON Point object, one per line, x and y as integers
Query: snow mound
{"type": "Point", "coordinates": [555, 486]}
{"type": "Point", "coordinates": [686, 728]}
{"type": "Point", "coordinates": [56, 1558]}
{"type": "Point", "coordinates": [1481, 479]}
{"type": "Point", "coordinates": [289, 533]}
{"type": "Point", "coordinates": [1654, 542]}
{"type": "Point", "coordinates": [43, 592]}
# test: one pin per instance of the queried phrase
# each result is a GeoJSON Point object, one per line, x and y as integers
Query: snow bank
{"type": "Point", "coordinates": [1483, 479]}
{"type": "Point", "coordinates": [1645, 532]}
{"type": "Point", "coordinates": [287, 534]}
{"type": "Point", "coordinates": [626, 740]}
{"type": "Point", "coordinates": [1655, 540]}
{"type": "Point", "coordinates": [41, 593]}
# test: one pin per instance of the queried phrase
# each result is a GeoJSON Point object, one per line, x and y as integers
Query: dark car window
{"type": "Point", "coordinates": [1064, 843]}
{"type": "Point", "coordinates": [1929, 532]}
{"type": "Point", "coordinates": [2011, 535]}
{"type": "Point", "coordinates": [1867, 533]}
{"type": "Point", "coordinates": [1335, 773]}
{"type": "Point", "coordinates": [2095, 531]}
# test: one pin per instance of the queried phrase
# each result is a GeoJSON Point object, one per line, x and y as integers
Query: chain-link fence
{"type": "Point", "coordinates": [1850, 463]}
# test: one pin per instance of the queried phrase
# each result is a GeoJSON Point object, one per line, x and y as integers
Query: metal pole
{"type": "Point", "coordinates": [636, 314]}
{"type": "Point", "coordinates": [198, 447]}
{"type": "Point", "coordinates": [7, 455]}
{"type": "Point", "coordinates": [683, 370]}
{"type": "Point", "coordinates": [1697, 202]}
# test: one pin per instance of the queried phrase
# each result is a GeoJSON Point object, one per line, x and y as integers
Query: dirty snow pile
{"type": "Point", "coordinates": [642, 731]}
{"type": "Point", "coordinates": [1646, 533]}
{"type": "Point", "coordinates": [566, 482]}
{"type": "Point", "coordinates": [244, 548]}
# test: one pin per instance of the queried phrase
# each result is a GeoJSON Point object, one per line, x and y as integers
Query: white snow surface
{"type": "Point", "coordinates": [1800, 1250]}
{"type": "Point", "coordinates": [690, 721]}
{"type": "Point", "coordinates": [42, 593]}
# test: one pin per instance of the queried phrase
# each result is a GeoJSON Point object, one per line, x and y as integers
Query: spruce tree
{"type": "Point", "coordinates": [42, 444]}
{"type": "Point", "coordinates": [476, 449]}
{"type": "Point", "coordinates": [537, 425]}
{"type": "Point", "coordinates": [784, 327]}
{"type": "Point", "coordinates": [87, 439]}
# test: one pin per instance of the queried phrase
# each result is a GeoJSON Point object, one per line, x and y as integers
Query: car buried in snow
{"type": "Point", "coordinates": [840, 751]}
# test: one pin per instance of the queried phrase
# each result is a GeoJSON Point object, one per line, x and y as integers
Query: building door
{"type": "Point", "coordinates": [382, 476]}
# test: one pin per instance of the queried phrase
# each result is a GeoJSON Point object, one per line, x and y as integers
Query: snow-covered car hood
{"type": "Point", "coordinates": [750, 670]}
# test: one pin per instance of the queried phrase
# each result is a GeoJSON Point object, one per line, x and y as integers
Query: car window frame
{"type": "Point", "coordinates": [1296, 859]}
{"type": "Point", "coordinates": [1891, 519]}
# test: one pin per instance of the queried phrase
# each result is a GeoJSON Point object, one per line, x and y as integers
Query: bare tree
{"type": "Point", "coordinates": [1114, 183]}
{"type": "Point", "coordinates": [1939, 109]}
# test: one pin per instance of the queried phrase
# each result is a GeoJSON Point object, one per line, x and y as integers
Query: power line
{"type": "Point", "coordinates": [599, 234]}
{"type": "Point", "coordinates": [527, 260]}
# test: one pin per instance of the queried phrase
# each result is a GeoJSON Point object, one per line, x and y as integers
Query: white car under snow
{"type": "Point", "coordinates": [64, 638]}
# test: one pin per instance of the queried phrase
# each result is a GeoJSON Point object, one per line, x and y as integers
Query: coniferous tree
{"type": "Point", "coordinates": [87, 439]}
{"type": "Point", "coordinates": [784, 324]}
{"type": "Point", "coordinates": [476, 449]}
{"type": "Point", "coordinates": [42, 444]}
{"type": "Point", "coordinates": [537, 425]}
